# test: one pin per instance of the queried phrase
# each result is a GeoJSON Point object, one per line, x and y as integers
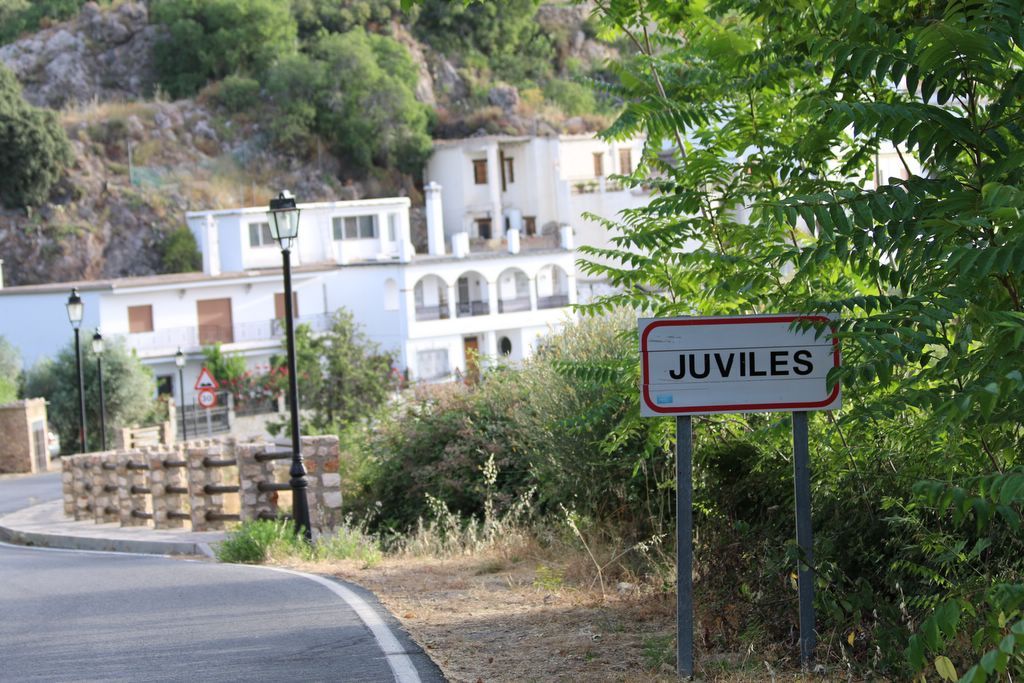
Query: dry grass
{"type": "Point", "coordinates": [95, 111]}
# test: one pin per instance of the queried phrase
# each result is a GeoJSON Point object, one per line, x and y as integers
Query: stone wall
{"type": "Point", "coordinates": [23, 430]}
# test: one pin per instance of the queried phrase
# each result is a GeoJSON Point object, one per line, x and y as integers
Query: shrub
{"type": "Point", "coordinates": [237, 93]}
{"type": "Point", "coordinates": [179, 252]}
{"type": "Point", "coordinates": [25, 16]}
{"type": "Point", "coordinates": [212, 39]}
{"type": "Point", "coordinates": [10, 371]}
{"type": "Point", "coordinates": [34, 150]}
{"type": "Point", "coordinates": [572, 98]}
{"type": "Point", "coordinates": [261, 540]}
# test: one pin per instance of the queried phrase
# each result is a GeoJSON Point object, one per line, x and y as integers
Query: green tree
{"type": "Point", "coordinates": [506, 34]}
{"type": "Point", "coordinates": [211, 39]}
{"type": "Point", "coordinates": [777, 113]}
{"type": "Point", "coordinates": [22, 16]}
{"type": "Point", "coordinates": [10, 371]}
{"type": "Point", "coordinates": [343, 376]}
{"type": "Point", "coordinates": [179, 252]}
{"type": "Point", "coordinates": [129, 391]}
{"type": "Point", "coordinates": [367, 109]}
{"type": "Point", "coordinates": [34, 150]}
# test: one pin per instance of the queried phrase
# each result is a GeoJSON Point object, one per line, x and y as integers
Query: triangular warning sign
{"type": "Point", "coordinates": [206, 381]}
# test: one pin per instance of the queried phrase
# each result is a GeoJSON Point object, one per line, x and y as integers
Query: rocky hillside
{"type": "Point", "coordinates": [141, 161]}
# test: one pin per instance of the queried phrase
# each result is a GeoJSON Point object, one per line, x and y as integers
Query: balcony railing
{"type": "Point", "coordinates": [432, 312]}
{"type": "Point", "coordinates": [521, 303]}
{"type": "Point", "coordinates": [171, 338]}
{"type": "Point", "coordinates": [555, 301]}
{"type": "Point", "coordinates": [468, 308]}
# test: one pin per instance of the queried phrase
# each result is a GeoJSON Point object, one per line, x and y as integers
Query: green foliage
{"type": "Point", "coordinates": [505, 34]}
{"type": "Point", "coordinates": [237, 93]}
{"type": "Point", "coordinates": [572, 98]}
{"type": "Point", "coordinates": [226, 368]}
{"type": "Point", "coordinates": [315, 17]}
{"type": "Point", "coordinates": [261, 540]}
{"type": "Point", "coordinates": [25, 16]}
{"type": "Point", "coordinates": [10, 371]}
{"type": "Point", "coordinates": [368, 110]}
{"type": "Point", "coordinates": [128, 386]}
{"type": "Point", "coordinates": [777, 114]}
{"type": "Point", "coordinates": [179, 252]}
{"type": "Point", "coordinates": [212, 39]}
{"type": "Point", "coordinates": [34, 149]}
{"type": "Point", "coordinates": [343, 376]}
{"type": "Point", "coordinates": [295, 84]}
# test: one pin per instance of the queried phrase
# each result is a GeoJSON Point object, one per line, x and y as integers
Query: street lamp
{"type": "Point", "coordinates": [179, 360]}
{"type": "Point", "coordinates": [76, 309]}
{"type": "Point", "coordinates": [97, 348]}
{"type": "Point", "coordinates": [284, 227]}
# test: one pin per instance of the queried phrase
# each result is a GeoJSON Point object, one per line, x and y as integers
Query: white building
{"type": "Point", "coordinates": [434, 311]}
{"type": "Point", "coordinates": [539, 187]}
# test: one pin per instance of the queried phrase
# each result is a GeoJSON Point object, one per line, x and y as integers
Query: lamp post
{"type": "Point", "coordinates": [97, 348]}
{"type": "Point", "coordinates": [179, 360]}
{"type": "Point", "coordinates": [283, 217]}
{"type": "Point", "coordinates": [76, 309]}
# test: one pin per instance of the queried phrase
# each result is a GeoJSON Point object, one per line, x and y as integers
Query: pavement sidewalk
{"type": "Point", "coordinates": [45, 525]}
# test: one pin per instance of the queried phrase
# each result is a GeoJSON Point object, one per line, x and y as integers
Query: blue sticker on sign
{"type": "Point", "coordinates": [663, 399]}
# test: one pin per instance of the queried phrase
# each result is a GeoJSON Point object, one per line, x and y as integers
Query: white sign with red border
{"type": "Point", "coordinates": [206, 398]}
{"type": "Point", "coordinates": [206, 381]}
{"type": "Point", "coordinates": [742, 364]}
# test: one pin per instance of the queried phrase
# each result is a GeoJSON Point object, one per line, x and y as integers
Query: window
{"type": "Point", "coordinates": [505, 346]}
{"type": "Point", "coordinates": [164, 385]}
{"type": "Point", "coordinates": [530, 225]}
{"type": "Point", "coordinates": [480, 171]}
{"type": "Point", "coordinates": [625, 161]}
{"type": "Point", "coordinates": [214, 316]}
{"type": "Point", "coordinates": [392, 227]}
{"type": "Point", "coordinates": [259, 235]}
{"type": "Point", "coordinates": [354, 227]}
{"type": "Point", "coordinates": [598, 164]}
{"type": "Point", "coordinates": [279, 305]}
{"type": "Point", "coordinates": [508, 174]}
{"type": "Point", "coordinates": [140, 319]}
{"type": "Point", "coordinates": [483, 228]}
{"type": "Point", "coordinates": [433, 363]}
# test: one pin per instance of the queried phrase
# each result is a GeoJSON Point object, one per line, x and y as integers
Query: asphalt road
{"type": "Point", "coordinates": [81, 616]}
{"type": "Point", "coordinates": [20, 492]}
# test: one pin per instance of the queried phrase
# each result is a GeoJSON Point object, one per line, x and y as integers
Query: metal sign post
{"type": "Point", "coordinates": [743, 364]}
{"type": "Point", "coordinates": [804, 536]}
{"type": "Point", "coordinates": [684, 545]}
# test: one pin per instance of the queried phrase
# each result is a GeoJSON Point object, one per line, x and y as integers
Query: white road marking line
{"type": "Point", "coordinates": [400, 663]}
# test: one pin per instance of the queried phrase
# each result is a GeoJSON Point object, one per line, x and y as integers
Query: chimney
{"type": "Point", "coordinates": [435, 219]}
{"type": "Point", "coordinates": [211, 247]}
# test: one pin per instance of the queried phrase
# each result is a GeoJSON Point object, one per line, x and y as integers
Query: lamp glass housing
{"type": "Point", "coordinates": [179, 359]}
{"type": "Point", "coordinates": [76, 309]}
{"type": "Point", "coordinates": [283, 218]}
{"type": "Point", "coordinates": [97, 343]}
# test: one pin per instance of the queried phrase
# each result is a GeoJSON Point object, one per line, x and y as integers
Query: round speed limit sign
{"type": "Point", "coordinates": [207, 399]}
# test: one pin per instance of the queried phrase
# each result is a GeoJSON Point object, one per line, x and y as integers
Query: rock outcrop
{"type": "Point", "coordinates": [104, 54]}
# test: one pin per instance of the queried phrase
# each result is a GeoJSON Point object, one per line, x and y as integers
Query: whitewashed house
{"type": "Point", "coordinates": [434, 311]}
{"type": "Point", "coordinates": [539, 187]}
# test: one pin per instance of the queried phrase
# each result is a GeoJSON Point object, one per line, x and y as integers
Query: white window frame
{"type": "Point", "coordinates": [263, 235]}
{"type": "Point", "coordinates": [345, 228]}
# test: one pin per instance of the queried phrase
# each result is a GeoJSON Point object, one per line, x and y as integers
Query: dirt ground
{"type": "Point", "coordinates": [489, 619]}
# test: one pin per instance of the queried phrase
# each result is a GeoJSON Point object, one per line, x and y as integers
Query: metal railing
{"type": "Point", "coordinates": [521, 303]}
{"type": "Point", "coordinates": [469, 308]}
{"type": "Point", "coordinates": [432, 312]}
{"type": "Point", "coordinates": [554, 301]}
{"type": "Point", "coordinates": [190, 337]}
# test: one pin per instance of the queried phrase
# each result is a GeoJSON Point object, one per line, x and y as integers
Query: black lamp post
{"type": "Point", "coordinates": [76, 309]}
{"type": "Point", "coordinates": [97, 348]}
{"type": "Point", "coordinates": [284, 226]}
{"type": "Point", "coordinates": [179, 360]}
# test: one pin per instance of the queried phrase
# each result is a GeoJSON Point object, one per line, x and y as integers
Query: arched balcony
{"type": "Point", "coordinates": [552, 287]}
{"type": "Point", "coordinates": [513, 291]}
{"type": "Point", "coordinates": [431, 297]}
{"type": "Point", "coordinates": [471, 295]}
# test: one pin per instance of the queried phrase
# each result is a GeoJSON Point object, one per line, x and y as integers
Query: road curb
{"type": "Point", "coordinates": [66, 542]}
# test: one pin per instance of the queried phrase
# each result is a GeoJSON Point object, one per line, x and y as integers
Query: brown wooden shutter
{"type": "Point", "coordinates": [215, 323]}
{"type": "Point", "coordinates": [625, 161]}
{"type": "Point", "coordinates": [598, 164]}
{"type": "Point", "coordinates": [279, 305]}
{"type": "Point", "coordinates": [140, 319]}
{"type": "Point", "coordinates": [480, 171]}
